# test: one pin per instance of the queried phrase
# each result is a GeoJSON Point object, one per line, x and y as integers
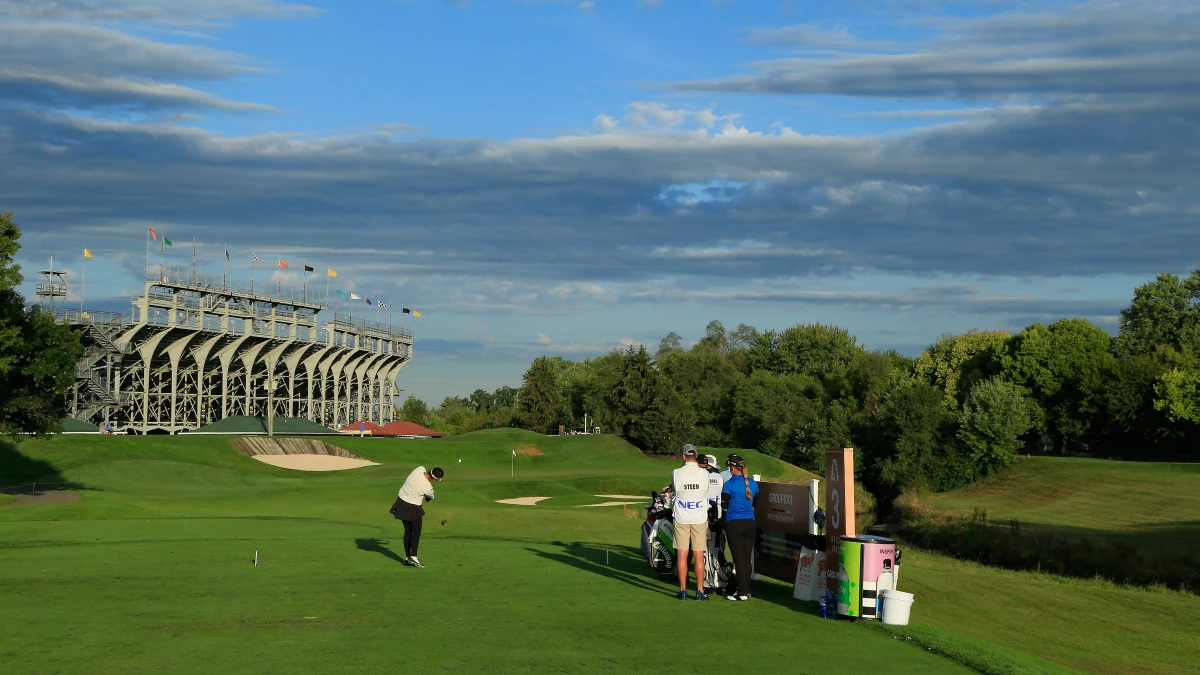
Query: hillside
{"type": "Point", "coordinates": [1152, 505]}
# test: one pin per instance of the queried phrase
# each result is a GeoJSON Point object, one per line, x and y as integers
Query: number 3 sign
{"type": "Point", "coordinates": [839, 503]}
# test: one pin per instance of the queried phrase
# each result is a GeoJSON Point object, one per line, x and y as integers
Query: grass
{"type": "Point", "coordinates": [1153, 505]}
{"type": "Point", "coordinates": [151, 571]}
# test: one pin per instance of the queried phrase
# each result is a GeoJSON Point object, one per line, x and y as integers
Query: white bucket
{"type": "Point", "coordinates": [896, 606]}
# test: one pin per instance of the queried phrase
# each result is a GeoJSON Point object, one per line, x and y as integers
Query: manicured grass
{"type": "Point", "coordinates": [1153, 505]}
{"type": "Point", "coordinates": [1090, 625]}
{"type": "Point", "coordinates": [152, 570]}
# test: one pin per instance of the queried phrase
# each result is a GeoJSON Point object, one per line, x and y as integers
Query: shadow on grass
{"type": "Point", "coordinates": [622, 566]}
{"type": "Point", "coordinates": [628, 566]}
{"type": "Point", "coordinates": [19, 470]}
{"type": "Point", "coordinates": [377, 546]}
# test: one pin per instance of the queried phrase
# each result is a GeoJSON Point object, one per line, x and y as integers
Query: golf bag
{"type": "Point", "coordinates": [658, 533]}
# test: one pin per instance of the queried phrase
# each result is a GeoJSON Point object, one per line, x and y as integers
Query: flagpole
{"type": "Point", "coordinates": [224, 265]}
{"type": "Point", "coordinates": [147, 252]}
{"type": "Point", "coordinates": [162, 248]}
{"type": "Point", "coordinates": [193, 261]}
{"type": "Point", "coordinates": [82, 284]}
{"type": "Point", "coordinates": [304, 279]}
{"type": "Point", "coordinates": [253, 260]}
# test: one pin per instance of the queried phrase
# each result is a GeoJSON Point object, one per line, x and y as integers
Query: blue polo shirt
{"type": "Point", "coordinates": [740, 508]}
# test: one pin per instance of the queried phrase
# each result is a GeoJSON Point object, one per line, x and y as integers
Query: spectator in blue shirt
{"type": "Point", "coordinates": [738, 497]}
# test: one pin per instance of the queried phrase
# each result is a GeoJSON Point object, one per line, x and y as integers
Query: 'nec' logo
{"type": "Point", "coordinates": [691, 505]}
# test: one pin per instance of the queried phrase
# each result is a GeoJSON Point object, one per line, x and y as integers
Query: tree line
{"type": "Point", "coordinates": [967, 407]}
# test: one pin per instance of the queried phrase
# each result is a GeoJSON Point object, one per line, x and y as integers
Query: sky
{"type": "Point", "coordinates": [568, 178]}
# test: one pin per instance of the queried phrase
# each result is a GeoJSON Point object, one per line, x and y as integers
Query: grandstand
{"type": "Point", "coordinates": [195, 348]}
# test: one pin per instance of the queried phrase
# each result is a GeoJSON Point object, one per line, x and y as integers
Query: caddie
{"type": "Point", "coordinates": [690, 485]}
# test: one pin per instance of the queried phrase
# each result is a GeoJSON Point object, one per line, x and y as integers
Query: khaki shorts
{"type": "Point", "coordinates": [691, 537]}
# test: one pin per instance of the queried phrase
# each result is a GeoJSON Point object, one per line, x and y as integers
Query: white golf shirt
{"type": "Point", "coordinates": [715, 484]}
{"type": "Point", "coordinates": [416, 487]}
{"type": "Point", "coordinates": [691, 494]}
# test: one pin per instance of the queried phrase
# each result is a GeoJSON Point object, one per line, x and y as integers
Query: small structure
{"type": "Point", "coordinates": [361, 427]}
{"type": "Point", "coordinates": [402, 429]}
{"type": "Point", "coordinates": [241, 425]}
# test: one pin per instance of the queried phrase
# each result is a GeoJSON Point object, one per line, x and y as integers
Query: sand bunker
{"type": "Point", "coordinates": [529, 451]}
{"type": "Point", "coordinates": [584, 506]}
{"type": "Point", "coordinates": [646, 497]}
{"type": "Point", "coordinates": [47, 497]}
{"type": "Point", "coordinates": [521, 501]}
{"type": "Point", "coordinates": [313, 462]}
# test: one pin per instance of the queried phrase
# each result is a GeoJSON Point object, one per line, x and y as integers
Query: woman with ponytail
{"type": "Point", "coordinates": [738, 497]}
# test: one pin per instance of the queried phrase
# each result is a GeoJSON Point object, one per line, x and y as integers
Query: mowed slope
{"type": "Point", "coordinates": [152, 570]}
{"type": "Point", "coordinates": [1153, 505]}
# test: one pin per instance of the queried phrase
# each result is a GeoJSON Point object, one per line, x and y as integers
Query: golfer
{"type": "Point", "coordinates": [738, 495]}
{"type": "Point", "coordinates": [690, 484]}
{"type": "Point", "coordinates": [417, 488]}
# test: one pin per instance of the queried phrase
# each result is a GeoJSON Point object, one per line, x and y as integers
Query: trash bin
{"type": "Point", "coordinates": [896, 607]}
{"type": "Point", "coordinates": [868, 565]}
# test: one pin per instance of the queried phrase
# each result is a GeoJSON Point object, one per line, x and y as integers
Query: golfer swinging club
{"type": "Point", "coordinates": [417, 487]}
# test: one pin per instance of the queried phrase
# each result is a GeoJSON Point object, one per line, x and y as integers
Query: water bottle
{"type": "Point", "coordinates": [824, 608]}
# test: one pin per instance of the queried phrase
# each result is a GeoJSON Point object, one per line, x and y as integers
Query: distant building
{"type": "Point", "coordinates": [197, 348]}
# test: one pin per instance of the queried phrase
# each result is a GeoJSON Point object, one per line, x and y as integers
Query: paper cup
{"type": "Point", "coordinates": [757, 477]}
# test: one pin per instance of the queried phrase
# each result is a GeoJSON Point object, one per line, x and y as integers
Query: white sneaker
{"type": "Point", "coordinates": [412, 560]}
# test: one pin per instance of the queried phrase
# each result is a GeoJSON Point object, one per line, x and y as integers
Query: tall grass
{"type": "Point", "coordinates": [1004, 545]}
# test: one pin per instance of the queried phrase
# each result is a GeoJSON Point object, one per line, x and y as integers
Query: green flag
{"type": "Point", "coordinates": [166, 241]}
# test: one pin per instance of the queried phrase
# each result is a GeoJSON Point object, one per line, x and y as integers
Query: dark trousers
{"type": "Point", "coordinates": [740, 534]}
{"type": "Point", "coordinates": [412, 537]}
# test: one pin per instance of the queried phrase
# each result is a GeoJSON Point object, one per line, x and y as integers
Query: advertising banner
{"type": "Point", "coordinates": [781, 515]}
{"type": "Point", "coordinates": [839, 504]}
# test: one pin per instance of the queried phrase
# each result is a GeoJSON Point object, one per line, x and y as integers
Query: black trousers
{"type": "Point", "coordinates": [412, 537]}
{"type": "Point", "coordinates": [740, 534]}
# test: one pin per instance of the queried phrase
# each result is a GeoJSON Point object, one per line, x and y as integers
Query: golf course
{"type": "Point", "coordinates": [152, 568]}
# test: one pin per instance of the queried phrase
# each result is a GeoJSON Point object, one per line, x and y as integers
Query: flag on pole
{"type": "Point", "coordinates": [405, 310]}
{"type": "Point", "coordinates": [227, 253]}
{"type": "Point", "coordinates": [254, 256]}
{"type": "Point", "coordinates": [166, 241]}
{"type": "Point", "coordinates": [87, 254]}
{"type": "Point", "coordinates": [152, 234]}
{"type": "Point", "coordinates": [368, 300]}
{"type": "Point", "coordinates": [355, 297]}
{"type": "Point", "coordinates": [308, 269]}
{"type": "Point", "coordinates": [332, 273]}
{"type": "Point", "coordinates": [382, 304]}
{"type": "Point", "coordinates": [283, 265]}
{"type": "Point", "coordinates": [416, 313]}
{"type": "Point", "coordinates": [340, 292]}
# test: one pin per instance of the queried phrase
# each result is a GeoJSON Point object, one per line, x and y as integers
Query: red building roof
{"type": "Point", "coordinates": [369, 426]}
{"type": "Point", "coordinates": [401, 428]}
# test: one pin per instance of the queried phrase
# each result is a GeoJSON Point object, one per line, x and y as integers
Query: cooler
{"type": "Point", "coordinates": [868, 566]}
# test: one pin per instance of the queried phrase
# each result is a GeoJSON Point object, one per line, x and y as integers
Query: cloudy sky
{"type": "Point", "coordinates": [567, 177]}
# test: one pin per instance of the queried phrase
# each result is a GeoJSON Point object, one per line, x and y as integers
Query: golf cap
{"type": "Point", "coordinates": [689, 450]}
{"type": "Point", "coordinates": [437, 473]}
{"type": "Point", "coordinates": [702, 459]}
{"type": "Point", "coordinates": [734, 460]}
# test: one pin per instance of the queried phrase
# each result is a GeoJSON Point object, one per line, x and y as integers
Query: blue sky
{"type": "Point", "coordinates": [567, 177]}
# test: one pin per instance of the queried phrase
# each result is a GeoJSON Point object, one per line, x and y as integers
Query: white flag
{"type": "Point", "coordinates": [514, 453]}
{"type": "Point", "coordinates": [254, 255]}
{"type": "Point", "coordinates": [354, 297]}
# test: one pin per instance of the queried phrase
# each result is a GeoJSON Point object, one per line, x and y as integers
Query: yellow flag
{"type": "Point", "coordinates": [332, 273]}
{"type": "Point", "coordinates": [416, 313]}
{"type": "Point", "coordinates": [87, 254]}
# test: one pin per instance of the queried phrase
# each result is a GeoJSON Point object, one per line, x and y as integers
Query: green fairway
{"type": "Point", "coordinates": [1153, 505]}
{"type": "Point", "coordinates": [152, 571]}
